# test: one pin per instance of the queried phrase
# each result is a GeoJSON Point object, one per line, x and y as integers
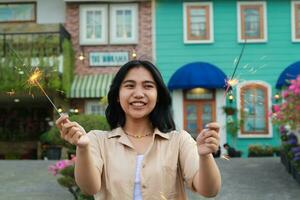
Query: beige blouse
{"type": "Point", "coordinates": [161, 176]}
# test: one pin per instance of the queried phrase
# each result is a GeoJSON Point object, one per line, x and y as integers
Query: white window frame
{"type": "Point", "coordinates": [113, 36]}
{"type": "Point", "coordinates": [83, 9]}
{"type": "Point", "coordinates": [88, 104]}
{"type": "Point", "coordinates": [211, 23]}
{"type": "Point", "coordinates": [293, 20]}
{"type": "Point", "coordinates": [244, 3]}
{"type": "Point", "coordinates": [269, 93]}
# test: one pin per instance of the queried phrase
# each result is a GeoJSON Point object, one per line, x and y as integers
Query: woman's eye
{"type": "Point", "coordinates": [149, 86]}
{"type": "Point", "coordinates": [129, 86]}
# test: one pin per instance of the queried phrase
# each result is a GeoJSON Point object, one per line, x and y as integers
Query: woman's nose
{"type": "Point", "coordinates": [138, 93]}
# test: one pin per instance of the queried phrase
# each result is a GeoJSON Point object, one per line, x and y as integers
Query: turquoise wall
{"type": "Point", "coordinates": [267, 60]}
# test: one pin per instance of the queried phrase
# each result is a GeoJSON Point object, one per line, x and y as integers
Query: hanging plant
{"type": "Point", "coordinates": [229, 110]}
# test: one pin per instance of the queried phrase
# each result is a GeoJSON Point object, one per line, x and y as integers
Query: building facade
{"type": "Point", "coordinates": [31, 36]}
{"type": "Point", "coordinates": [259, 38]}
{"type": "Point", "coordinates": [105, 35]}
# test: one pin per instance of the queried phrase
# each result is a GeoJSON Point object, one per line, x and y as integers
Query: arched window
{"type": "Point", "coordinates": [254, 102]}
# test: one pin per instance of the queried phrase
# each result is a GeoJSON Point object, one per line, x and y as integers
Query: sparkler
{"type": "Point", "coordinates": [231, 82]}
{"type": "Point", "coordinates": [34, 80]}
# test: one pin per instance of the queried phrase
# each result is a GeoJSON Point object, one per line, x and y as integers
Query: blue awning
{"type": "Point", "coordinates": [198, 74]}
{"type": "Point", "coordinates": [290, 73]}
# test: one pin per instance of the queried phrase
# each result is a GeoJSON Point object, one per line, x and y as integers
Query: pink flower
{"type": "Point", "coordinates": [285, 94]}
{"type": "Point", "coordinates": [60, 165]}
{"type": "Point", "coordinates": [276, 108]}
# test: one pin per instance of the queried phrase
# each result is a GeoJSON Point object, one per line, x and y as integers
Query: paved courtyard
{"type": "Point", "coordinates": [243, 179]}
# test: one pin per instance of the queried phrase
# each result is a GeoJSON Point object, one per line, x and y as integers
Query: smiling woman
{"type": "Point", "coordinates": [143, 156]}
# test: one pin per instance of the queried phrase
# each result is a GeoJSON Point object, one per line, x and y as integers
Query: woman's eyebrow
{"type": "Point", "coordinates": [128, 81]}
{"type": "Point", "coordinates": [152, 82]}
{"type": "Point", "coordinates": [132, 81]}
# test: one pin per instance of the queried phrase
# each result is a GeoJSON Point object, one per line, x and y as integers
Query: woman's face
{"type": "Point", "coordinates": [138, 93]}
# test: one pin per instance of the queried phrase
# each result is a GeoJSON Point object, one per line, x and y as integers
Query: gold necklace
{"type": "Point", "coordinates": [137, 136]}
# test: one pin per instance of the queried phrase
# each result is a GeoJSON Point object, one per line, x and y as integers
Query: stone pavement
{"type": "Point", "coordinates": [243, 179]}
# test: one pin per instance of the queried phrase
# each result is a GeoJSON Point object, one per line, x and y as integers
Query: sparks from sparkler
{"type": "Point", "coordinates": [236, 62]}
{"type": "Point", "coordinates": [34, 80]}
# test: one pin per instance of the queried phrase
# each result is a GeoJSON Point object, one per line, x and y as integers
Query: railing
{"type": "Point", "coordinates": [33, 44]}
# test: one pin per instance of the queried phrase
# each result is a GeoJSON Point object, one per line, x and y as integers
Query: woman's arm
{"type": "Point", "coordinates": [208, 179]}
{"type": "Point", "coordinates": [87, 176]}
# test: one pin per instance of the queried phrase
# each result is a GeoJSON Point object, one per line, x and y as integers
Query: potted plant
{"type": "Point", "coordinates": [64, 169]}
{"type": "Point", "coordinates": [229, 110]}
{"type": "Point", "coordinates": [260, 151]}
{"type": "Point", "coordinates": [287, 113]}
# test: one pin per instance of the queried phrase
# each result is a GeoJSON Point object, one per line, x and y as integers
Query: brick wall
{"type": "Point", "coordinates": [143, 48]}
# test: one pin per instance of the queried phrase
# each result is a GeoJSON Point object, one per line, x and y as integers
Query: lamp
{"type": "Point", "coordinates": [230, 98]}
{"type": "Point", "coordinates": [133, 55]}
{"type": "Point", "coordinates": [81, 56]}
{"type": "Point", "coordinates": [277, 97]}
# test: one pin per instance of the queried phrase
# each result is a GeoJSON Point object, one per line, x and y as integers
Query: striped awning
{"type": "Point", "coordinates": [91, 86]}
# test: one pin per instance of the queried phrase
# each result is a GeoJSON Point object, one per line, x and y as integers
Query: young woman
{"type": "Point", "coordinates": [143, 157]}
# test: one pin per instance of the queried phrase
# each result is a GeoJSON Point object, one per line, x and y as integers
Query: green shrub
{"type": "Point", "coordinates": [261, 150]}
{"type": "Point", "coordinates": [88, 122]}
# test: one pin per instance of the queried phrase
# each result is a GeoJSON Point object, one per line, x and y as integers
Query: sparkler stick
{"type": "Point", "coordinates": [231, 80]}
{"type": "Point", "coordinates": [39, 85]}
{"type": "Point", "coordinates": [34, 80]}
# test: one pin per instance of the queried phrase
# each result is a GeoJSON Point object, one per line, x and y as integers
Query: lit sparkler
{"type": "Point", "coordinates": [236, 62]}
{"type": "Point", "coordinates": [34, 80]}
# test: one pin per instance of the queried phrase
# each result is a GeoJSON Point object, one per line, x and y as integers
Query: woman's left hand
{"type": "Point", "coordinates": [208, 140]}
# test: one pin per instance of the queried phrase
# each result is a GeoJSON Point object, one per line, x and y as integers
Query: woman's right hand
{"type": "Point", "coordinates": [72, 132]}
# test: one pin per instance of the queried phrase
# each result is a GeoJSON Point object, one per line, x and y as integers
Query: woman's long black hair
{"type": "Point", "coordinates": [160, 116]}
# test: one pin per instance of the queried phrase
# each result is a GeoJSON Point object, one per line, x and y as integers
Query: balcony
{"type": "Point", "coordinates": [34, 40]}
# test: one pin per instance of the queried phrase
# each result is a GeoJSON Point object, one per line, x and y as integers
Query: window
{"type": "Point", "coordinates": [108, 23]}
{"type": "Point", "coordinates": [198, 22]}
{"type": "Point", "coordinates": [17, 12]}
{"type": "Point", "coordinates": [123, 24]}
{"type": "Point", "coordinates": [93, 24]}
{"type": "Point", "coordinates": [252, 22]}
{"type": "Point", "coordinates": [295, 21]}
{"type": "Point", "coordinates": [94, 108]}
{"type": "Point", "coordinates": [254, 106]}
